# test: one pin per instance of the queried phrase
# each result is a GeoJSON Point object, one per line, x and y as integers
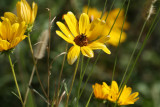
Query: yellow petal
{"type": "Point", "coordinates": [73, 19]}
{"type": "Point", "coordinates": [105, 88]}
{"type": "Point", "coordinates": [71, 24]}
{"type": "Point", "coordinates": [12, 17]}
{"type": "Point", "coordinates": [16, 41]}
{"type": "Point", "coordinates": [6, 29]}
{"type": "Point", "coordinates": [24, 11]}
{"type": "Point", "coordinates": [4, 45]}
{"type": "Point", "coordinates": [114, 86]}
{"type": "Point", "coordinates": [97, 45]}
{"type": "Point", "coordinates": [73, 54]}
{"type": "Point", "coordinates": [83, 23]}
{"type": "Point", "coordinates": [115, 36]}
{"type": "Point", "coordinates": [64, 37]}
{"type": "Point", "coordinates": [86, 51]}
{"type": "Point", "coordinates": [94, 31]}
{"type": "Point", "coordinates": [65, 30]}
{"type": "Point", "coordinates": [34, 12]}
{"type": "Point", "coordinates": [103, 39]}
{"type": "Point", "coordinates": [21, 29]}
{"type": "Point", "coordinates": [15, 27]}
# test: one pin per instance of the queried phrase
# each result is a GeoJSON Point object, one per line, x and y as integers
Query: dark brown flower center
{"type": "Point", "coordinates": [81, 40]}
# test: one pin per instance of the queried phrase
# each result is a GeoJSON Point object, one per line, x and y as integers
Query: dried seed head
{"type": "Point", "coordinates": [41, 45]}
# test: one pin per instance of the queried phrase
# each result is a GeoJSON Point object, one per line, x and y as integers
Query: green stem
{"type": "Point", "coordinates": [116, 17]}
{"type": "Point", "coordinates": [110, 9]}
{"type": "Point", "coordinates": [137, 57]}
{"type": "Point", "coordinates": [103, 9]}
{"type": "Point", "coordinates": [81, 66]}
{"type": "Point", "coordinates": [15, 80]}
{"type": "Point", "coordinates": [34, 61]}
{"type": "Point", "coordinates": [115, 63]}
{"type": "Point", "coordinates": [74, 75]}
{"type": "Point", "coordinates": [89, 99]}
{"type": "Point", "coordinates": [81, 79]}
{"type": "Point", "coordinates": [60, 75]}
{"type": "Point", "coordinates": [143, 45]}
{"type": "Point", "coordinates": [88, 6]}
{"type": "Point", "coordinates": [90, 73]}
{"type": "Point", "coordinates": [29, 83]}
{"type": "Point", "coordinates": [133, 53]}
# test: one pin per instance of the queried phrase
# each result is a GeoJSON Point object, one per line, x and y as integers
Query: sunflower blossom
{"type": "Point", "coordinates": [11, 34]}
{"type": "Point", "coordinates": [115, 33]}
{"type": "Point", "coordinates": [26, 13]}
{"type": "Point", "coordinates": [125, 98]}
{"type": "Point", "coordinates": [84, 36]}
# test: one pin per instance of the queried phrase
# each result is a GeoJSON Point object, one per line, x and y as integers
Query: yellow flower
{"type": "Point", "coordinates": [84, 36]}
{"type": "Point", "coordinates": [25, 13]}
{"type": "Point", "coordinates": [98, 92]}
{"type": "Point", "coordinates": [115, 33]}
{"type": "Point", "coordinates": [125, 98]}
{"type": "Point", "coordinates": [11, 34]}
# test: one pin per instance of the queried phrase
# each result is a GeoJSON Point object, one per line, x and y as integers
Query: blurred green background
{"type": "Point", "coordinates": [145, 78]}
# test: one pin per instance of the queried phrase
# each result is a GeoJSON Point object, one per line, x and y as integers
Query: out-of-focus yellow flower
{"type": "Point", "coordinates": [99, 93]}
{"type": "Point", "coordinates": [85, 36]}
{"type": "Point", "coordinates": [25, 13]}
{"type": "Point", "coordinates": [115, 33]}
{"type": "Point", "coordinates": [125, 98]}
{"type": "Point", "coordinates": [11, 34]}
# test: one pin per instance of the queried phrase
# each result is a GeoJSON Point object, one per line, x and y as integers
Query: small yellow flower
{"type": "Point", "coordinates": [11, 34]}
{"type": "Point", "coordinates": [98, 92]}
{"type": "Point", "coordinates": [115, 33]}
{"type": "Point", "coordinates": [125, 98]}
{"type": "Point", "coordinates": [25, 13]}
{"type": "Point", "coordinates": [84, 36]}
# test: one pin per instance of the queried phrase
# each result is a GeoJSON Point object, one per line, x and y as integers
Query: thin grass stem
{"type": "Point", "coordinates": [15, 80]}
{"type": "Point", "coordinates": [90, 73]}
{"type": "Point", "coordinates": [60, 75]}
{"type": "Point", "coordinates": [89, 99]}
{"type": "Point", "coordinates": [81, 79]}
{"type": "Point", "coordinates": [88, 6]}
{"type": "Point", "coordinates": [74, 75]}
{"type": "Point", "coordinates": [34, 61]}
{"type": "Point", "coordinates": [110, 9]}
{"type": "Point", "coordinates": [115, 63]}
{"type": "Point", "coordinates": [103, 9]}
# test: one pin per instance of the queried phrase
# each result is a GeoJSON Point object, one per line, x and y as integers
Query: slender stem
{"type": "Point", "coordinates": [133, 53]}
{"type": "Point", "coordinates": [48, 50]}
{"type": "Point", "coordinates": [110, 9]}
{"type": "Point", "coordinates": [74, 75]}
{"type": "Point", "coordinates": [81, 78]}
{"type": "Point", "coordinates": [115, 63]}
{"type": "Point", "coordinates": [88, 6]}
{"type": "Point", "coordinates": [60, 75]}
{"type": "Point", "coordinates": [143, 45]}
{"type": "Point", "coordinates": [29, 83]}
{"type": "Point", "coordinates": [103, 9]}
{"type": "Point", "coordinates": [90, 73]}
{"type": "Point", "coordinates": [116, 17]}
{"type": "Point", "coordinates": [81, 66]}
{"type": "Point", "coordinates": [34, 61]}
{"type": "Point", "coordinates": [15, 80]}
{"type": "Point", "coordinates": [89, 99]}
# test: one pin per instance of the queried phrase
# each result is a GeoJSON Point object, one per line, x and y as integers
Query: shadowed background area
{"type": "Point", "coordinates": [145, 78]}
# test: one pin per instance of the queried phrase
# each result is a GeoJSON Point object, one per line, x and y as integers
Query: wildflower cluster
{"type": "Point", "coordinates": [92, 31]}
{"type": "Point", "coordinates": [114, 94]}
{"type": "Point", "coordinates": [12, 27]}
